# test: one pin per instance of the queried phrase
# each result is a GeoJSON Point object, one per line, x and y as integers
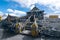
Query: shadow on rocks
{"type": "Point", "coordinates": [28, 38]}
{"type": "Point", "coordinates": [7, 34]}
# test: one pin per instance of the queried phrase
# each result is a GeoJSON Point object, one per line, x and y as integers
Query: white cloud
{"type": "Point", "coordinates": [9, 10]}
{"type": "Point", "coordinates": [52, 4]}
{"type": "Point", "coordinates": [26, 3]}
{"type": "Point", "coordinates": [1, 13]}
{"type": "Point", "coordinates": [16, 12]}
{"type": "Point", "coordinates": [12, 13]}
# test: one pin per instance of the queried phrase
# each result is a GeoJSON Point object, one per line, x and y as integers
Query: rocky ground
{"type": "Point", "coordinates": [11, 36]}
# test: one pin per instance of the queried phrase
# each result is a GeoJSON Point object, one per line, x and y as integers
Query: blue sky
{"type": "Point", "coordinates": [4, 5]}
{"type": "Point", "coordinates": [20, 7]}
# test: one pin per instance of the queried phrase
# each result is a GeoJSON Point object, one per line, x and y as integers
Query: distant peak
{"type": "Point", "coordinates": [34, 9]}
